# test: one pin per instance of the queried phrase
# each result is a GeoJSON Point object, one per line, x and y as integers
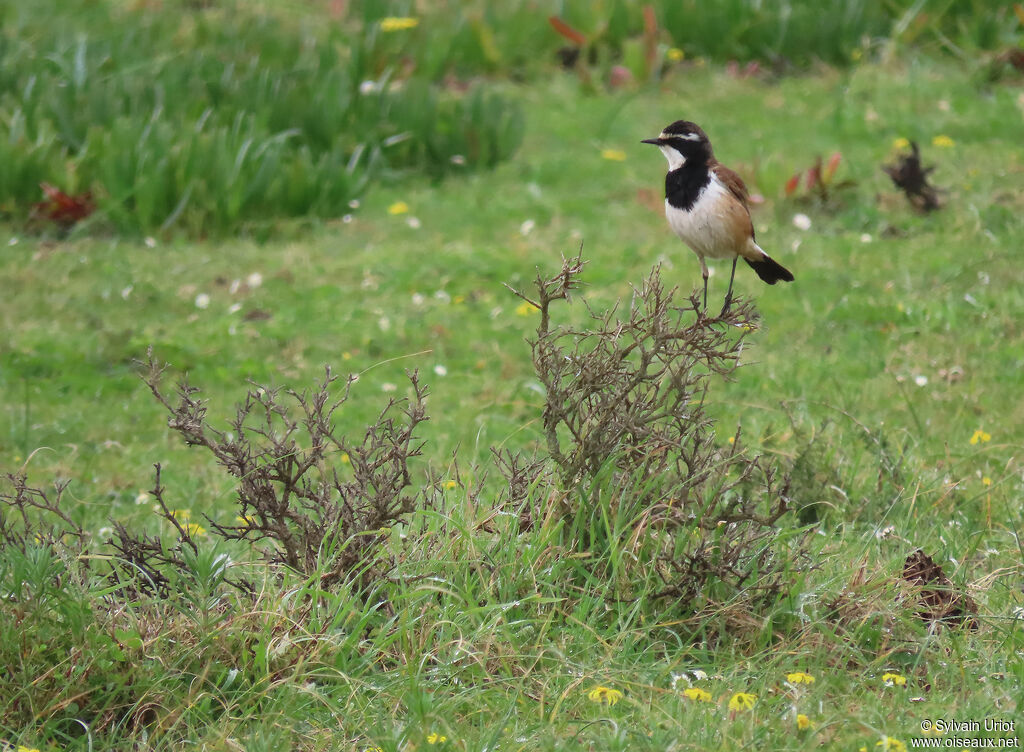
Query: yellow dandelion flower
{"type": "Point", "coordinates": [181, 514]}
{"type": "Point", "coordinates": [980, 436]}
{"type": "Point", "coordinates": [943, 142]}
{"type": "Point", "coordinates": [435, 738]}
{"type": "Point", "coordinates": [986, 481]}
{"type": "Point", "coordinates": [675, 54]}
{"type": "Point", "coordinates": [901, 143]}
{"type": "Point", "coordinates": [742, 701]}
{"type": "Point", "coordinates": [732, 439]}
{"type": "Point", "coordinates": [393, 23]}
{"type": "Point", "coordinates": [524, 309]}
{"type": "Point", "coordinates": [346, 355]}
{"type": "Point", "coordinates": [450, 484]}
{"type": "Point", "coordinates": [803, 722]}
{"type": "Point", "coordinates": [888, 744]}
{"type": "Point", "coordinates": [373, 749]}
{"type": "Point", "coordinates": [194, 529]}
{"type": "Point", "coordinates": [615, 155]}
{"type": "Point", "coordinates": [697, 694]}
{"type": "Point", "coordinates": [345, 459]}
{"type": "Point", "coordinates": [244, 519]}
{"type": "Point", "coordinates": [604, 695]}
{"type": "Point", "coordinates": [23, 748]}
{"type": "Point", "coordinates": [399, 207]}
{"type": "Point", "coordinates": [894, 680]}
{"type": "Point", "coordinates": [799, 677]}
{"type": "Point", "coordinates": [459, 299]}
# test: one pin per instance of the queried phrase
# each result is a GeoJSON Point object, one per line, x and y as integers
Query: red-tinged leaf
{"type": "Point", "coordinates": [813, 175]}
{"type": "Point", "coordinates": [62, 208]}
{"type": "Point", "coordinates": [832, 166]}
{"type": "Point", "coordinates": [792, 184]}
{"type": "Point", "coordinates": [567, 31]}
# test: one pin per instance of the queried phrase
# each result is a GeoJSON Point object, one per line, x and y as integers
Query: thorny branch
{"type": "Point", "coordinates": [309, 491]}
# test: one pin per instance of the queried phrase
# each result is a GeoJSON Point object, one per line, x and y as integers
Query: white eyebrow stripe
{"type": "Point", "coordinates": [684, 136]}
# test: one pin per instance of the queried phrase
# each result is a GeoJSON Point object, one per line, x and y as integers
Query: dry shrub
{"type": "Point", "coordinates": [32, 515]}
{"type": "Point", "coordinates": [625, 425]}
{"type": "Point", "coordinates": [322, 501]}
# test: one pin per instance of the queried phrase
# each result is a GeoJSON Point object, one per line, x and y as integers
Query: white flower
{"type": "Point", "coordinates": [418, 298]}
{"type": "Point", "coordinates": [527, 227]}
{"type": "Point", "coordinates": [150, 242]}
{"type": "Point", "coordinates": [12, 241]}
{"type": "Point", "coordinates": [801, 222]}
{"type": "Point", "coordinates": [921, 380]}
{"type": "Point", "coordinates": [384, 323]}
{"type": "Point", "coordinates": [234, 308]}
{"type": "Point", "coordinates": [413, 222]}
{"type": "Point", "coordinates": [458, 159]}
{"type": "Point", "coordinates": [865, 238]}
{"type": "Point", "coordinates": [254, 280]}
{"type": "Point", "coordinates": [202, 300]}
{"type": "Point", "coordinates": [353, 204]}
{"type": "Point", "coordinates": [388, 387]}
{"type": "Point", "coordinates": [347, 218]}
{"type": "Point", "coordinates": [127, 291]}
{"type": "Point", "coordinates": [368, 87]}
{"type": "Point", "coordinates": [440, 370]}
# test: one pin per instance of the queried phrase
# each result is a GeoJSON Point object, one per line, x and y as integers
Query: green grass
{"type": "Point", "coordinates": [218, 118]}
{"type": "Point", "coordinates": [481, 639]}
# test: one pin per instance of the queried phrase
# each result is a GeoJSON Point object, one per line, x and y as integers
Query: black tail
{"type": "Point", "coordinates": [770, 270]}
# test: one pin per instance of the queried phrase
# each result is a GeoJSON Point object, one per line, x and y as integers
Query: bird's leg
{"type": "Point", "coordinates": [704, 274]}
{"type": "Point", "coordinates": [728, 295]}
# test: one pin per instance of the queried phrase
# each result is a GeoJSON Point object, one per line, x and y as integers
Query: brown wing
{"type": "Point", "coordinates": [733, 182]}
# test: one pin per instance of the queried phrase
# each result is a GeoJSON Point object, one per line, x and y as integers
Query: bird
{"type": "Point", "coordinates": [706, 206]}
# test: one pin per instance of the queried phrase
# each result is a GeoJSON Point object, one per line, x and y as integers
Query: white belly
{"type": "Point", "coordinates": [705, 227]}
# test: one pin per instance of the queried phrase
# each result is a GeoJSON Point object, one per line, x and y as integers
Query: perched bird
{"type": "Point", "coordinates": [706, 206]}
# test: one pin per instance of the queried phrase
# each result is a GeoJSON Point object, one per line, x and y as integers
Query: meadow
{"type": "Point", "coordinates": [879, 392]}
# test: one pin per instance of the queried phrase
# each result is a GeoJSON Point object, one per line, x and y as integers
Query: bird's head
{"type": "Point", "coordinates": [682, 142]}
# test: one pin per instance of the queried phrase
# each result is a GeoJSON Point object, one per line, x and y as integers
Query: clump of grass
{"type": "Point", "coordinates": [210, 122]}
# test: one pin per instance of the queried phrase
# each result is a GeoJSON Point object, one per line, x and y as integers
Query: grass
{"type": "Point", "coordinates": [216, 118]}
{"type": "Point", "coordinates": [870, 376]}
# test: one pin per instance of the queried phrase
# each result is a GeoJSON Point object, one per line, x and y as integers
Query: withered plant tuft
{"type": "Point", "coordinates": [324, 502]}
{"type": "Point", "coordinates": [644, 480]}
